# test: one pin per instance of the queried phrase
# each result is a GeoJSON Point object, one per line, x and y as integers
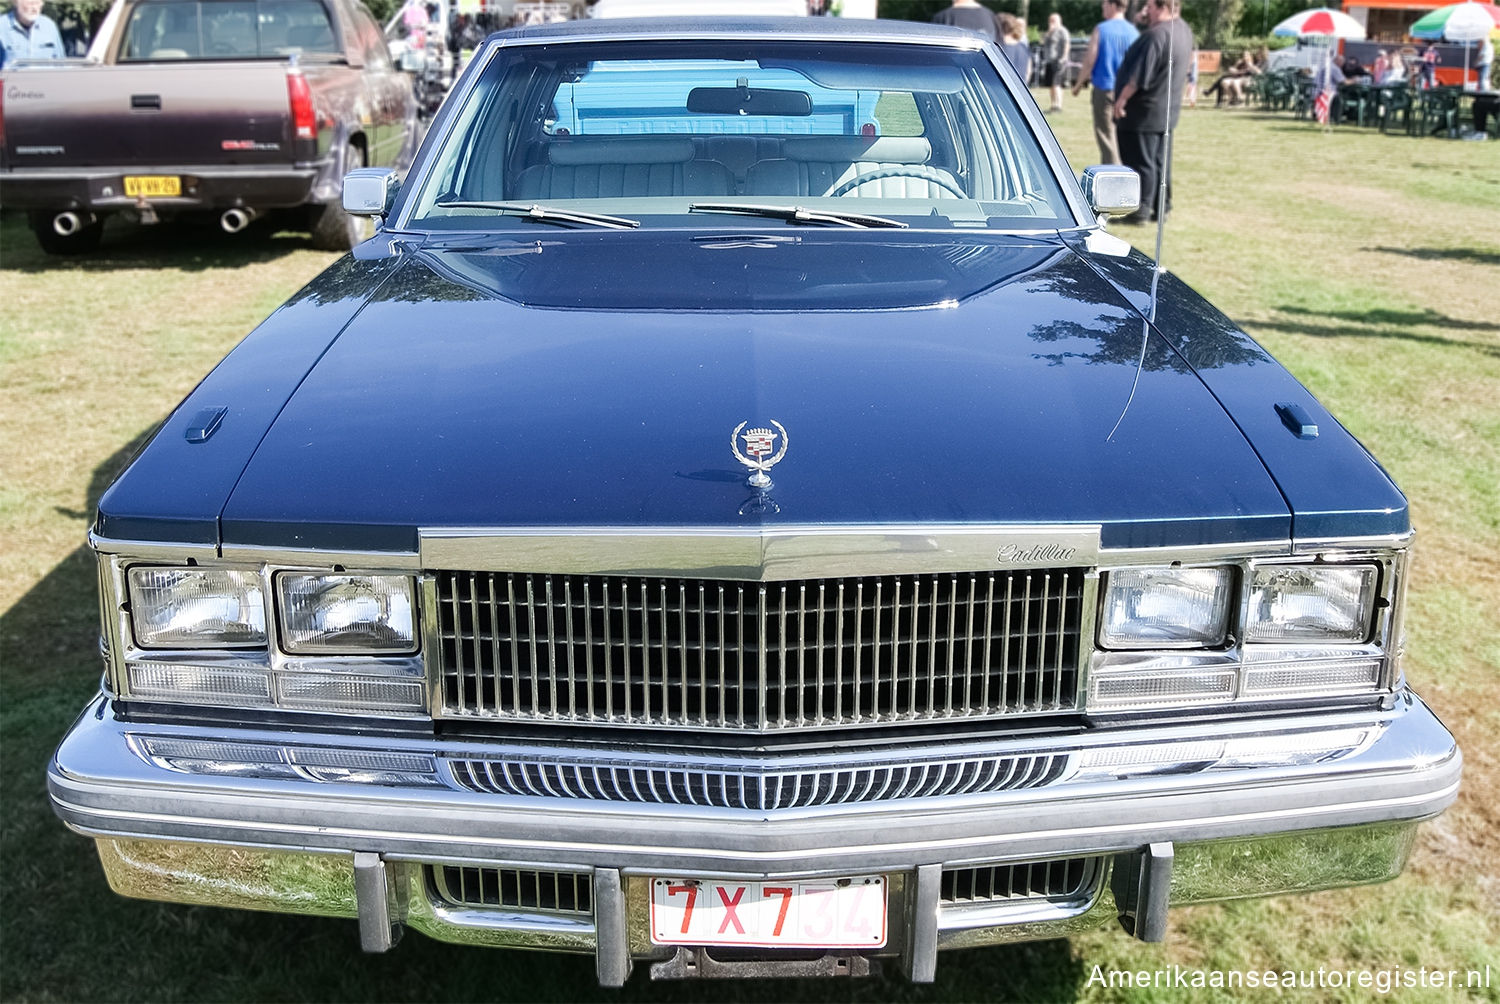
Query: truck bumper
{"type": "Point", "coordinates": [102, 189]}
{"type": "Point", "coordinates": [365, 826]}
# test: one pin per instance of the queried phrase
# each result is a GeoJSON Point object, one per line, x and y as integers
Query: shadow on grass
{"type": "Point", "coordinates": [1393, 324]}
{"type": "Point", "coordinates": [1468, 256]}
{"type": "Point", "coordinates": [186, 246]}
{"type": "Point", "coordinates": [60, 911]}
{"type": "Point", "coordinates": [1396, 318]}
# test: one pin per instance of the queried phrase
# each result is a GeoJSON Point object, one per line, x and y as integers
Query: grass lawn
{"type": "Point", "coordinates": [1369, 264]}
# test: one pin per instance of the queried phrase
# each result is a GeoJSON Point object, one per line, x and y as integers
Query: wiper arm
{"type": "Point", "coordinates": [547, 214]}
{"type": "Point", "coordinates": [797, 214]}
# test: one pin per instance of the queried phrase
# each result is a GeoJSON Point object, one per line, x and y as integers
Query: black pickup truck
{"type": "Point", "coordinates": [225, 107]}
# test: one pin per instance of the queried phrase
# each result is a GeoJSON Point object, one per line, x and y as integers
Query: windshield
{"type": "Point", "coordinates": [731, 132]}
{"type": "Point", "coordinates": [226, 29]}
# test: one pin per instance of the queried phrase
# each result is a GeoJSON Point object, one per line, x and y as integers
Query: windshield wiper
{"type": "Point", "coordinates": [547, 214]}
{"type": "Point", "coordinates": [797, 214]}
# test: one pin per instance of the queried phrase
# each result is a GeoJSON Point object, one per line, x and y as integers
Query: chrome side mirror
{"type": "Point", "coordinates": [369, 191]}
{"type": "Point", "coordinates": [1112, 190]}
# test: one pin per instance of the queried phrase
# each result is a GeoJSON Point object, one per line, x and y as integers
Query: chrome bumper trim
{"type": "Point", "coordinates": [1130, 787]}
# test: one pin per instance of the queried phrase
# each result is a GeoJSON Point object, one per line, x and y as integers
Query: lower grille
{"type": "Point", "coordinates": [747, 788]}
{"type": "Point", "coordinates": [1063, 879]}
{"type": "Point", "coordinates": [569, 893]}
{"type": "Point", "coordinates": [699, 653]}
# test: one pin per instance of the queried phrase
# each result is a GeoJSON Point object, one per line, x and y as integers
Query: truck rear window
{"type": "Point", "coordinates": [226, 29]}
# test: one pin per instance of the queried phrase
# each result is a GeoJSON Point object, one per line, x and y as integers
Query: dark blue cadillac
{"type": "Point", "coordinates": [741, 513]}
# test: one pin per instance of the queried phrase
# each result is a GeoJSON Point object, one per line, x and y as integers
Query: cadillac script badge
{"type": "Point", "coordinates": [760, 453]}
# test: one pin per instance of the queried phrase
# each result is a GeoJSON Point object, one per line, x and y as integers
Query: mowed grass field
{"type": "Point", "coordinates": [1369, 264]}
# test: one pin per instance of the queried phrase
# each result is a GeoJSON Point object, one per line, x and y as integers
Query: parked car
{"type": "Point", "coordinates": [749, 553]}
{"type": "Point", "coordinates": [230, 108]}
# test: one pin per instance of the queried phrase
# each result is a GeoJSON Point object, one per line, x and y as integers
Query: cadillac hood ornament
{"type": "Point", "coordinates": [760, 453]}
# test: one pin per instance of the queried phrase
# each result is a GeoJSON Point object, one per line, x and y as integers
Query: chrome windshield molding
{"type": "Point", "coordinates": [759, 555]}
{"type": "Point", "coordinates": [1406, 768]}
{"type": "Point", "coordinates": [422, 168]}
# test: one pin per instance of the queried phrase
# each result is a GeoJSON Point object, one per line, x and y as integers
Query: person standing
{"type": "Point", "coordinates": [1013, 44]}
{"type": "Point", "coordinates": [1148, 102]}
{"type": "Point", "coordinates": [1486, 58]}
{"type": "Point", "coordinates": [27, 33]}
{"type": "Point", "coordinates": [1055, 45]}
{"type": "Point", "coordinates": [1107, 45]}
{"type": "Point", "coordinates": [970, 15]}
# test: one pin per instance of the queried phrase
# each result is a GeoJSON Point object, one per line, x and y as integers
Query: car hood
{"type": "Point", "coordinates": [595, 381]}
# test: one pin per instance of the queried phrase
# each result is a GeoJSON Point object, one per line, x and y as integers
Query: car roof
{"type": "Point", "coordinates": [788, 28]}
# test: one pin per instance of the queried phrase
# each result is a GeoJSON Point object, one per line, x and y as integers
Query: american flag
{"type": "Point", "coordinates": [1321, 105]}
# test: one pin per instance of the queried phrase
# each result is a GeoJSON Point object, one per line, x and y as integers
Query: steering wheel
{"type": "Point", "coordinates": [939, 178]}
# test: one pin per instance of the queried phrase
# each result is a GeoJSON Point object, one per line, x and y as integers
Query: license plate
{"type": "Point", "coordinates": [822, 913]}
{"type": "Point", "coordinates": [149, 185]}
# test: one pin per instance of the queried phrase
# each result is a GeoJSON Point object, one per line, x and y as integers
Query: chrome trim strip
{"type": "Point", "coordinates": [151, 550]}
{"type": "Point", "coordinates": [308, 559]}
{"type": "Point", "coordinates": [767, 554]}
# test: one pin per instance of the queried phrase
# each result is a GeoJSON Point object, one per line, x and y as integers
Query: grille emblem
{"type": "Point", "coordinates": [760, 453]}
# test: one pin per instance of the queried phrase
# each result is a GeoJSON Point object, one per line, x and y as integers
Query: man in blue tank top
{"type": "Point", "coordinates": [1106, 50]}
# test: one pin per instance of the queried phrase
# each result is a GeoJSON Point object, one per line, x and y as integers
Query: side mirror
{"type": "Point", "coordinates": [1112, 190]}
{"type": "Point", "coordinates": [369, 191]}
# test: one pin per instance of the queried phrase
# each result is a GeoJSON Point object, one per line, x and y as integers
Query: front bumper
{"type": "Point", "coordinates": [346, 824]}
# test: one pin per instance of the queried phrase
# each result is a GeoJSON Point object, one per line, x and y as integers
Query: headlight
{"type": "Point", "coordinates": [1310, 603]}
{"type": "Point", "coordinates": [197, 608]}
{"type": "Point", "coordinates": [324, 614]}
{"type": "Point", "coordinates": [1166, 608]}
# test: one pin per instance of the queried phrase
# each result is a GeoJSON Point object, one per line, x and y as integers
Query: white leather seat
{"type": "Point", "coordinates": [818, 165]}
{"type": "Point", "coordinates": [612, 167]}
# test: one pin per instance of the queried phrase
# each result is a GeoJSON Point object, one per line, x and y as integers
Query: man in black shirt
{"type": "Point", "coordinates": [968, 14]}
{"type": "Point", "coordinates": [1146, 100]}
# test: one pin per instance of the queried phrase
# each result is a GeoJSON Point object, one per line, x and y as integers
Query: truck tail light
{"type": "Point", "coordinates": [304, 123]}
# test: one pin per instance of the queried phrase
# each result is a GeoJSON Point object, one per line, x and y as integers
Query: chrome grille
{"type": "Point", "coordinates": [1060, 879]}
{"type": "Point", "coordinates": [729, 788]}
{"type": "Point", "coordinates": [756, 656]}
{"type": "Point", "coordinates": [567, 893]}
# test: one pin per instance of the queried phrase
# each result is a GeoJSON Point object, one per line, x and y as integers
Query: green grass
{"type": "Point", "coordinates": [1369, 264]}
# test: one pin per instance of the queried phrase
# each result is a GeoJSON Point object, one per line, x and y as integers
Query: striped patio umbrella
{"type": "Point", "coordinates": [1320, 22]}
{"type": "Point", "coordinates": [1459, 22]}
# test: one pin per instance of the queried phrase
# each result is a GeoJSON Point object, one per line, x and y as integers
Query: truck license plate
{"type": "Point", "coordinates": [152, 185]}
{"type": "Point", "coordinates": [822, 913]}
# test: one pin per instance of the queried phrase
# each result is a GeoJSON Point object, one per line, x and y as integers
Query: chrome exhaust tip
{"type": "Point", "coordinates": [235, 220]}
{"type": "Point", "coordinates": [68, 224]}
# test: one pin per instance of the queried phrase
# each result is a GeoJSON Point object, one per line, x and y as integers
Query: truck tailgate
{"type": "Point", "coordinates": [148, 114]}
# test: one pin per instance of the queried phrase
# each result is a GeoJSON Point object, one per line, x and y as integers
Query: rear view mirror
{"type": "Point", "coordinates": [369, 191]}
{"type": "Point", "coordinates": [748, 101]}
{"type": "Point", "coordinates": [1112, 190]}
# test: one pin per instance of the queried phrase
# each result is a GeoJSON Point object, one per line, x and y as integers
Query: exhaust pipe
{"type": "Point", "coordinates": [235, 220]}
{"type": "Point", "coordinates": [68, 224]}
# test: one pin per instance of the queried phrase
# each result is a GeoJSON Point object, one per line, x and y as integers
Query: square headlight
{"type": "Point", "coordinates": [1310, 603]}
{"type": "Point", "coordinates": [197, 608]}
{"type": "Point", "coordinates": [327, 614]}
{"type": "Point", "coordinates": [1166, 608]}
